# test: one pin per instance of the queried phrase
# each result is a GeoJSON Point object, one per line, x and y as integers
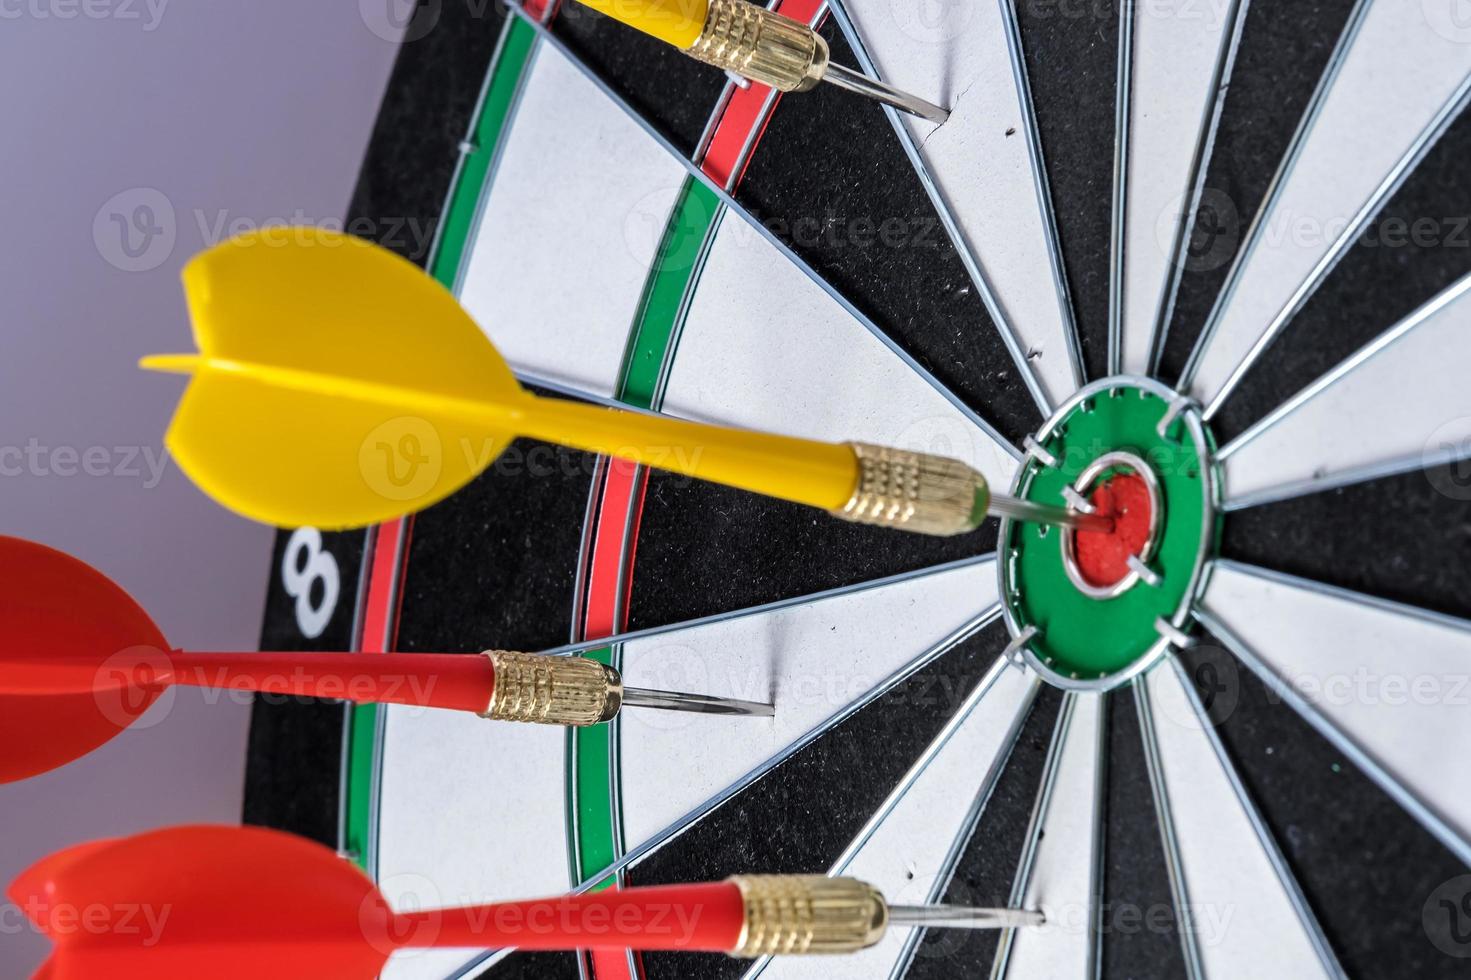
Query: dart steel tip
{"type": "Point", "coordinates": [872, 88]}
{"type": "Point", "coordinates": [705, 704]}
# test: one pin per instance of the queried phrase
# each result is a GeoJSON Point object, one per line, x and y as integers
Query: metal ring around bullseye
{"type": "Point", "coordinates": [1083, 484]}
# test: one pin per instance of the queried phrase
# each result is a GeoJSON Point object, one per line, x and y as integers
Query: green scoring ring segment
{"type": "Point", "coordinates": [1082, 642]}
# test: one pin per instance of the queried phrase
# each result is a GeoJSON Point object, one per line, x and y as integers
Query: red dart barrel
{"type": "Point", "coordinates": [693, 918]}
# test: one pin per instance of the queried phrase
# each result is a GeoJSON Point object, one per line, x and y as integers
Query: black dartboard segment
{"type": "Point", "coordinates": [296, 743]}
{"type": "Point", "coordinates": [855, 764]}
{"type": "Point", "coordinates": [1284, 51]}
{"type": "Point", "coordinates": [1339, 831]}
{"type": "Point", "coordinates": [771, 545]}
{"type": "Point", "coordinates": [1072, 68]}
{"type": "Point", "coordinates": [1140, 923]}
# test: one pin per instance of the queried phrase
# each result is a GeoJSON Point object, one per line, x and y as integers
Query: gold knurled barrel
{"type": "Point", "coordinates": [552, 690]}
{"type": "Point", "coordinates": [809, 914]}
{"type": "Point", "coordinates": [760, 45]}
{"type": "Point", "coordinates": [915, 492]}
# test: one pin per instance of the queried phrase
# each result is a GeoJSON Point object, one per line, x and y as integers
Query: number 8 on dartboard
{"type": "Point", "coordinates": [305, 564]}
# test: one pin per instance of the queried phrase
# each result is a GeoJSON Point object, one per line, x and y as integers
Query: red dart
{"type": "Point", "coordinates": [229, 902]}
{"type": "Point", "coordinates": [81, 661]}
{"type": "Point", "coordinates": [232, 902]}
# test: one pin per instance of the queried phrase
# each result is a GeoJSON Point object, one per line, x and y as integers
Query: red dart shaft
{"type": "Point", "coordinates": [696, 918]}
{"type": "Point", "coordinates": [458, 682]}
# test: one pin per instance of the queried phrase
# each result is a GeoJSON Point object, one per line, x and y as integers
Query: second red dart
{"type": "Point", "coordinates": [81, 661]}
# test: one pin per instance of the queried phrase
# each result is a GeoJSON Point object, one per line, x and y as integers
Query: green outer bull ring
{"type": "Point", "coordinates": [1079, 642]}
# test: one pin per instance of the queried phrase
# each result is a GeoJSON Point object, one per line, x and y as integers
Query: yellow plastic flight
{"type": "Point", "coordinates": [677, 22]}
{"type": "Point", "coordinates": [337, 385]}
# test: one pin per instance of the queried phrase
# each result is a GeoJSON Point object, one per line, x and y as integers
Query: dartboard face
{"type": "Point", "coordinates": [1202, 258]}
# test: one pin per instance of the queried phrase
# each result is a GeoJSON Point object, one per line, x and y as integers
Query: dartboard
{"type": "Point", "coordinates": [1219, 249]}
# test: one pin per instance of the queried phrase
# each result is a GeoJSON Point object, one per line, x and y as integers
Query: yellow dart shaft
{"type": "Point", "coordinates": [819, 474]}
{"type": "Point", "coordinates": [312, 403]}
{"type": "Point", "coordinates": [677, 22]}
{"type": "Point", "coordinates": [805, 471]}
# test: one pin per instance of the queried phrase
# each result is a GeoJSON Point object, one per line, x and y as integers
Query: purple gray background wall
{"type": "Point", "coordinates": [132, 133]}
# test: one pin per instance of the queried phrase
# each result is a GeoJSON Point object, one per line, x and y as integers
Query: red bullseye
{"type": "Point", "coordinates": [1103, 557]}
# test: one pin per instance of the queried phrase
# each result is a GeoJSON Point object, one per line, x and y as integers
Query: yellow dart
{"type": "Point", "coordinates": [756, 43]}
{"type": "Point", "coordinates": [337, 385]}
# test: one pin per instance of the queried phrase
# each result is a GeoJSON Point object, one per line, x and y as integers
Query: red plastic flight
{"type": "Point", "coordinates": [81, 661]}
{"type": "Point", "coordinates": [240, 903]}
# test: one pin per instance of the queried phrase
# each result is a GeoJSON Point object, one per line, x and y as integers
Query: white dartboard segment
{"type": "Point", "coordinates": [470, 811]}
{"type": "Point", "coordinates": [1181, 52]}
{"type": "Point", "coordinates": [1389, 684]}
{"type": "Point", "coordinates": [1237, 904]}
{"type": "Point", "coordinates": [427, 964]}
{"type": "Point", "coordinates": [815, 661]}
{"type": "Point", "coordinates": [787, 357]}
{"type": "Point", "coordinates": [910, 847]}
{"type": "Point", "coordinates": [569, 226]}
{"type": "Point", "coordinates": [982, 167]}
{"type": "Point", "coordinates": [1061, 871]}
{"type": "Point", "coordinates": [1400, 403]}
{"type": "Point", "coordinates": [1397, 80]}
